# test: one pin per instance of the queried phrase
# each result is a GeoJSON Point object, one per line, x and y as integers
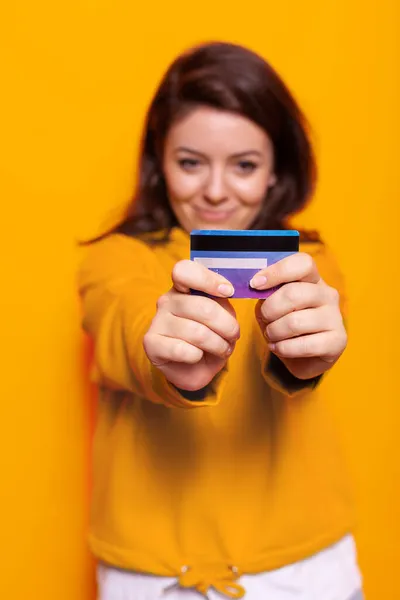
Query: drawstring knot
{"type": "Point", "coordinates": [223, 581]}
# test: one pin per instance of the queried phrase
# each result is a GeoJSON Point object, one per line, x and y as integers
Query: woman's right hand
{"type": "Point", "coordinates": [191, 337]}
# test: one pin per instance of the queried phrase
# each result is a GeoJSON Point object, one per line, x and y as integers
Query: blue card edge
{"type": "Point", "coordinates": [246, 232]}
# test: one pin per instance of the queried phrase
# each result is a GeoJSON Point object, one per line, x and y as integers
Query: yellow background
{"type": "Point", "coordinates": [76, 78]}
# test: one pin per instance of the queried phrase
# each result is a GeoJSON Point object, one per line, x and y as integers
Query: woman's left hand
{"type": "Point", "coordinates": [301, 321]}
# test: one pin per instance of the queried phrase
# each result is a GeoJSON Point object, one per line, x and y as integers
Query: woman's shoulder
{"type": "Point", "coordinates": [115, 255]}
{"type": "Point", "coordinates": [313, 244]}
{"type": "Point", "coordinates": [116, 243]}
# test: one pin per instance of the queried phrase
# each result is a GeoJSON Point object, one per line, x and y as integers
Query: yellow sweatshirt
{"type": "Point", "coordinates": [246, 480]}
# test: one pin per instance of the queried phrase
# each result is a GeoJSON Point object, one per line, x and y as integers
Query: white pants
{"type": "Point", "coordinates": [332, 574]}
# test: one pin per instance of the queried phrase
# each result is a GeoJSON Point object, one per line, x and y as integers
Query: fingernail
{"type": "Point", "coordinates": [229, 351]}
{"type": "Point", "coordinates": [258, 281]}
{"type": "Point", "coordinates": [226, 289]}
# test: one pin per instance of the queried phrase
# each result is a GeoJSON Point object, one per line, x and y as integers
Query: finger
{"type": "Point", "coordinates": [162, 350]}
{"type": "Point", "coordinates": [187, 275]}
{"type": "Point", "coordinates": [193, 377]}
{"type": "Point", "coordinates": [197, 335]}
{"type": "Point", "coordinates": [297, 267]}
{"type": "Point", "coordinates": [303, 322]}
{"type": "Point", "coordinates": [217, 315]}
{"type": "Point", "coordinates": [327, 344]}
{"type": "Point", "coordinates": [297, 296]}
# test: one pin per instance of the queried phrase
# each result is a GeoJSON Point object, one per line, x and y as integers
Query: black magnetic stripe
{"type": "Point", "coordinates": [245, 243]}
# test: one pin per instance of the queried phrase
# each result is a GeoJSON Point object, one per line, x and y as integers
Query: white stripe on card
{"type": "Point", "coordinates": [231, 263]}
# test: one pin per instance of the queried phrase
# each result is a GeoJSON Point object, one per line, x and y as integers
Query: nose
{"type": "Point", "coordinates": [215, 190]}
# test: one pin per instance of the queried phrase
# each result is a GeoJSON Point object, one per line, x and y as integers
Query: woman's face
{"type": "Point", "coordinates": [217, 167]}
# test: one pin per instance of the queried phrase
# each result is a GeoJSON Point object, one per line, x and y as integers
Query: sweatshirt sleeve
{"type": "Point", "coordinates": [274, 371]}
{"type": "Point", "coordinates": [119, 282]}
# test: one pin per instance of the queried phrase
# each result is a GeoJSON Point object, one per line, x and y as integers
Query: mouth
{"type": "Point", "coordinates": [213, 215]}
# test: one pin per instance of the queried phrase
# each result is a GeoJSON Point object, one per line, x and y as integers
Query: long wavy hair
{"type": "Point", "coordinates": [232, 78]}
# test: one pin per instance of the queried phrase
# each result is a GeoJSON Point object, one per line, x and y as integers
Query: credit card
{"type": "Point", "coordinates": [238, 255]}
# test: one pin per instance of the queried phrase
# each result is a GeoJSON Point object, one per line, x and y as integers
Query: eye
{"type": "Point", "coordinates": [246, 167]}
{"type": "Point", "coordinates": [188, 164]}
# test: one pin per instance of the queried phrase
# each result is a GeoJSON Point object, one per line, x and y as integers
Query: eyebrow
{"type": "Point", "coordinates": [236, 155]}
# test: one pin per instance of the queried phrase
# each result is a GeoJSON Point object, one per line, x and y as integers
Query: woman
{"type": "Point", "coordinates": [216, 468]}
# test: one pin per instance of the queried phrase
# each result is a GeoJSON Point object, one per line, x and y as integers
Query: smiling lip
{"type": "Point", "coordinates": [213, 216]}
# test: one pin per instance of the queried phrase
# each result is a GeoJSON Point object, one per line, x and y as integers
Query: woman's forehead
{"type": "Point", "coordinates": [209, 130]}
